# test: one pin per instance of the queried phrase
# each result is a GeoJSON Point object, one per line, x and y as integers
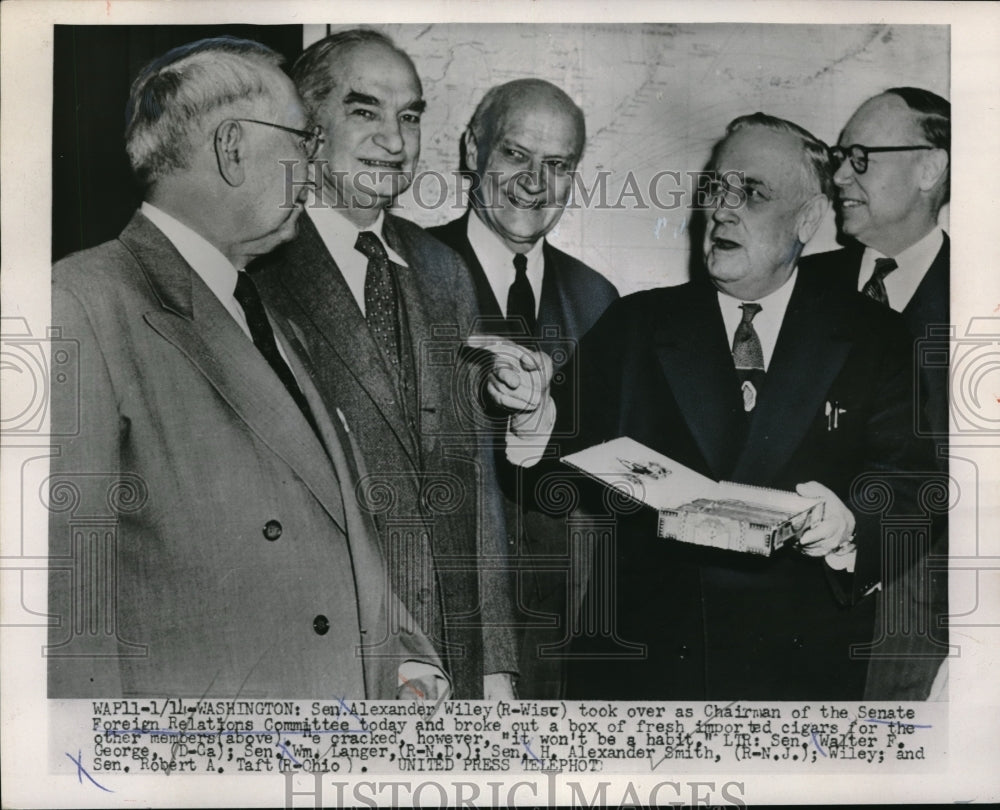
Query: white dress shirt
{"type": "Point", "coordinates": [498, 262]}
{"type": "Point", "coordinates": [211, 266]}
{"type": "Point", "coordinates": [339, 235]}
{"type": "Point", "coordinates": [204, 258]}
{"type": "Point", "coordinates": [913, 264]}
{"type": "Point", "coordinates": [767, 322]}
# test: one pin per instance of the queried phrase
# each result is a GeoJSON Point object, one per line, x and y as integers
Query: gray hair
{"type": "Point", "coordinates": [498, 102]}
{"type": "Point", "coordinates": [311, 72]}
{"type": "Point", "coordinates": [173, 95]}
{"type": "Point", "coordinates": [817, 163]}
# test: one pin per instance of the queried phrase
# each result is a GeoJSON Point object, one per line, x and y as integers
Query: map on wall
{"type": "Point", "coordinates": [656, 97]}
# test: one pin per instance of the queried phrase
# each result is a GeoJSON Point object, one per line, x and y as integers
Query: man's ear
{"type": "Point", "coordinates": [933, 168]}
{"type": "Point", "coordinates": [230, 152]}
{"type": "Point", "coordinates": [471, 151]}
{"type": "Point", "coordinates": [811, 216]}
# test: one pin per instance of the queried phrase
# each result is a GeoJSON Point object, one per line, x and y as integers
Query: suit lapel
{"type": "Point", "coordinates": [489, 307]}
{"type": "Point", "coordinates": [196, 323]}
{"type": "Point", "coordinates": [313, 279]}
{"type": "Point", "coordinates": [812, 346]}
{"type": "Point", "coordinates": [553, 310]}
{"type": "Point", "coordinates": [694, 354]}
{"type": "Point", "coordinates": [930, 304]}
{"type": "Point", "coordinates": [419, 323]}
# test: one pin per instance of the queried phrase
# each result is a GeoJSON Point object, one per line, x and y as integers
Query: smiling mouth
{"type": "Point", "coordinates": [525, 205]}
{"type": "Point", "coordinates": [850, 203]}
{"type": "Point", "coordinates": [395, 165]}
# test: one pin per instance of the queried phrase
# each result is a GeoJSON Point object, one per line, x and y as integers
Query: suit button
{"type": "Point", "coordinates": [683, 651]}
{"type": "Point", "coordinates": [423, 595]}
{"type": "Point", "coordinates": [797, 642]}
{"type": "Point", "coordinates": [272, 530]}
{"type": "Point", "coordinates": [321, 625]}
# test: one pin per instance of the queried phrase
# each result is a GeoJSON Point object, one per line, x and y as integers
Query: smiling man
{"type": "Point", "coordinates": [233, 558]}
{"type": "Point", "coordinates": [734, 376]}
{"type": "Point", "coordinates": [892, 178]}
{"type": "Point", "coordinates": [371, 292]}
{"type": "Point", "coordinates": [521, 148]}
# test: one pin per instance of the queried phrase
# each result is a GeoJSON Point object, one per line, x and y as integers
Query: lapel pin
{"type": "Point", "coordinates": [833, 412]}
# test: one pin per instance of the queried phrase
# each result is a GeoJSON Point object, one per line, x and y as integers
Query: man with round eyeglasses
{"type": "Point", "coordinates": [892, 176]}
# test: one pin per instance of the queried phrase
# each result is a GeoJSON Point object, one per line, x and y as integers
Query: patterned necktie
{"type": "Point", "coordinates": [381, 304]}
{"type": "Point", "coordinates": [520, 297]}
{"type": "Point", "coordinates": [748, 356]}
{"type": "Point", "coordinates": [263, 338]}
{"type": "Point", "coordinates": [875, 286]}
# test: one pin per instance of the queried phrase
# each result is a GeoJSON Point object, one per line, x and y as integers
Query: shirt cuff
{"type": "Point", "coordinates": [526, 442]}
{"type": "Point", "coordinates": [415, 670]}
{"type": "Point", "coordinates": [843, 558]}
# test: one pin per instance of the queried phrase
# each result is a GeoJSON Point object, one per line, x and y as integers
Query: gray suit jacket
{"type": "Point", "coordinates": [203, 540]}
{"type": "Point", "coordinates": [432, 487]}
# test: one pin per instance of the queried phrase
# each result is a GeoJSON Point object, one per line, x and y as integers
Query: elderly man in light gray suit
{"type": "Point", "coordinates": [205, 538]}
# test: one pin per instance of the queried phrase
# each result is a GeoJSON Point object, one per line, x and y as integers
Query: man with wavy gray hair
{"type": "Point", "coordinates": [380, 303]}
{"type": "Point", "coordinates": [761, 374]}
{"type": "Point", "coordinates": [231, 557]}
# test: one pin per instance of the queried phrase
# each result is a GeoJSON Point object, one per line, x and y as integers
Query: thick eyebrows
{"type": "Point", "coordinates": [418, 105]}
{"type": "Point", "coordinates": [354, 97]}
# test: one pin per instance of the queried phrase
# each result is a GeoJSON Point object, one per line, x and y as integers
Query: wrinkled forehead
{"type": "Point", "coordinates": [885, 120]}
{"type": "Point", "coordinates": [544, 118]}
{"type": "Point", "coordinates": [375, 69]}
{"type": "Point", "coordinates": [765, 156]}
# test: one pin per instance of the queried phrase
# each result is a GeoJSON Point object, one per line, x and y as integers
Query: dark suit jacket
{"type": "Point", "coordinates": [203, 540]}
{"type": "Point", "coordinates": [907, 661]}
{"type": "Point", "coordinates": [431, 487]}
{"type": "Point", "coordinates": [721, 625]}
{"type": "Point", "coordinates": [573, 297]}
{"type": "Point", "coordinates": [929, 307]}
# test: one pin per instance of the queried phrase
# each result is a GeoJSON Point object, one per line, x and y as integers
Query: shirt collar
{"type": "Point", "coordinates": [204, 258]}
{"type": "Point", "coordinates": [767, 322]}
{"type": "Point", "coordinates": [775, 302]}
{"type": "Point", "coordinates": [920, 255]}
{"type": "Point", "coordinates": [340, 234]}
{"type": "Point", "coordinates": [489, 247]}
{"type": "Point", "coordinates": [912, 265]}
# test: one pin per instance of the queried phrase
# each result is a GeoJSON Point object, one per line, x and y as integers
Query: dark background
{"type": "Point", "coordinates": [93, 193]}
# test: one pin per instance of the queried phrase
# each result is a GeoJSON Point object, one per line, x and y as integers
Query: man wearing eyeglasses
{"type": "Point", "coordinates": [205, 536]}
{"type": "Point", "coordinates": [892, 175]}
{"type": "Point", "coordinates": [759, 374]}
{"type": "Point", "coordinates": [383, 309]}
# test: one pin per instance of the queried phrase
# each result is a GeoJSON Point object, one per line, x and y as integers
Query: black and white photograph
{"type": "Point", "coordinates": [491, 405]}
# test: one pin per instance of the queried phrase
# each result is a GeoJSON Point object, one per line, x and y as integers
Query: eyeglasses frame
{"type": "Point", "coordinates": [846, 151]}
{"type": "Point", "coordinates": [315, 135]}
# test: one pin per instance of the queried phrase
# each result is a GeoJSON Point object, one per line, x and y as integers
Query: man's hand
{"type": "Point", "coordinates": [519, 378]}
{"type": "Point", "coordinates": [832, 537]}
{"type": "Point", "coordinates": [498, 686]}
{"type": "Point", "coordinates": [426, 687]}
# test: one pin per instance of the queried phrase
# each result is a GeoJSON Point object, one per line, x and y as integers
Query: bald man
{"type": "Point", "coordinates": [521, 148]}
